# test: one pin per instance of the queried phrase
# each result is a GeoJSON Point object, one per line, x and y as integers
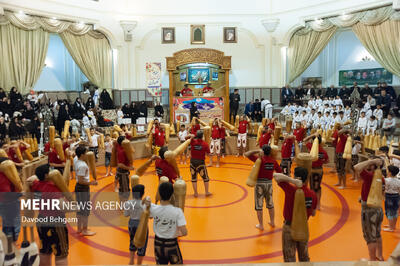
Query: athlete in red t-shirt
{"type": "Point", "coordinates": [341, 162]}
{"type": "Point", "coordinates": [286, 153]}
{"type": "Point", "coordinates": [299, 133]}
{"type": "Point", "coordinates": [123, 168]}
{"type": "Point", "coordinates": [53, 236]}
{"type": "Point", "coordinates": [242, 135]}
{"type": "Point", "coordinates": [215, 145]}
{"type": "Point", "coordinates": [263, 188]}
{"type": "Point", "coordinates": [290, 186]}
{"type": "Point", "coordinates": [317, 171]}
{"type": "Point", "coordinates": [265, 137]}
{"type": "Point", "coordinates": [163, 168]}
{"type": "Point", "coordinates": [208, 89]}
{"type": "Point", "coordinates": [199, 150]}
{"type": "Point", "coordinates": [186, 91]}
{"type": "Point", "coordinates": [371, 217]}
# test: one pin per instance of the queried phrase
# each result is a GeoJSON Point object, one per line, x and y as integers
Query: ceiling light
{"type": "Point", "coordinates": [21, 12]}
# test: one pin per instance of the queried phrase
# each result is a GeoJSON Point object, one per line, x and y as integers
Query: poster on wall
{"type": "Point", "coordinates": [153, 78]}
{"type": "Point", "coordinates": [371, 76]}
{"type": "Point", "coordinates": [209, 108]}
{"type": "Point", "coordinates": [199, 75]}
{"type": "Point", "coordinates": [315, 81]}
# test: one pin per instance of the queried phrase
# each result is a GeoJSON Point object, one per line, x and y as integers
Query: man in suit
{"type": "Point", "coordinates": [355, 86]}
{"type": "Point", "coordinates": [376, 92]}
{"type": "Point", "coordinates": [234, 99]}
{"type": "Point", "coordinates": [342, 92]}
{"type": "Point", "coordinates": [287, 95]}
{"type": "Point", "coordinates": [331, 92]}
{"type": "Point", "coordinates": [389, 91]}
{"type": "Point", "coordinates": [365, 92]}
{"type": "Point", "coordinates": [385, 102]}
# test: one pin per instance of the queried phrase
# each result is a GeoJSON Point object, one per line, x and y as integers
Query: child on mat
{"type": "Point", "coordinates": [182, 135]}
{"type": "Point", "coordinates": [108, 145]}
{"type": "Point", "coordinates": [133, 209]}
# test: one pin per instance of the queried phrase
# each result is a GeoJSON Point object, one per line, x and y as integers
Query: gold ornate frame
{"type": "Point", "coordinates": [198, 55]}
{"type": "Point", "coordinates": [203, 34]}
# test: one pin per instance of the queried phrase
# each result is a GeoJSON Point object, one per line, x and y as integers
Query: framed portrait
{"type": "Point", "coordinates": [230, 35]}
{"type": "Point", "coordinates": [197, 34]}
{"type": "Point", "coordinates": [168, 35]}
{"type": "Point", "coordinates": [183, 75]}
{"type": "Point", "coordinates": [215, 75]}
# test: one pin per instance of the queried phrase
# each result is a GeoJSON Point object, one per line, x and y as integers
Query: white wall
{"type": "Point", "coordinates": [343, 52]}
{"type": "Point", "coordinates": [257, 60]}
{"type": "Point", "coordinates": [60, 73]}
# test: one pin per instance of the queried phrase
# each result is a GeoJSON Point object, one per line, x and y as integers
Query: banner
{"type": "Point", "coordinates": [209, 108]}
{"type": "Point", "coordinates": [153, 78]}
{"type": "Point", "coordinates": [371, 76]}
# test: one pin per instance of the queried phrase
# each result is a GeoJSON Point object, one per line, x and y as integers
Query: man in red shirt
{"type": "Point", "coordinates": [289, 186]}
{"type": "Point", "coordinates": [222, 135]}
{"type": "Point", "coordinates": [158, 136]}
{"type": "Point", "coordinates": [371, 217]}
{"type": "Point", "coordinates": [123, 168]}
{"type": "Point", "coordinates": [242, 135]}
{"type": "Point", "coordinates": [9, 206]}
{"type": "Point", "coordinates": [199, 150]}
{"type": "Point", "coordinates": [286, 153]}
{"type": "Point", "coordinates": [265, 137]}
{"type": "Point", "coordinates": [53, 235]}
{"type": "Point", "coordinates": [55, 161]}
{"type": "Point", "coordinates": [334, 139]}
{"type": "Point", "coordinates": [299, 133]}
{"type": "Point", "coordinates": [208, 89]}
{"type": "Point", "coordinates": [186, 91]}
{"type": "Point", "coordinates": [317, 171]}
{"type": "Point", "coordinates": [163, 168]}
{"type": "Point", "coordinates": [194, 128]}
{"type": "Point", "coordinates": [341, 162]}
{"type": "Point", "coordinates": [263, 188]}
{"type": "Point", "coordinates": [215, 145]}
{"type": "Point", "coordinates": [12, 155]}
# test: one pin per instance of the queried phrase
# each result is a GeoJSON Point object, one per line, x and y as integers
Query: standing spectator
{"type": "Point", "coordinates": [143, 109]}
{"type": "Point", "coordinates": [106, 102]}
{"type": "Point", "coordinates": [63, 115]}
{"type": "Point", "coordinates": [3, 128]}
{"type": "Point", "coordinates": [16, 98]}
{"type": "Point", "coordinates": [234, 99]}
{"type": "Point", "coordinates": [34, 127]}
{"type": "Point", "coordinates": [134, 112]}
{"type": "Point", "coordinates": [2, 94]}
{"type": "Point", "coordinates": [376, 92]}
{"type": "Point", "coordinates": [77, 109]}
{"type": "Point", "coordinates": [287, 95]}
{"type": "Point", "coordinates": [267, 107]}
{"type": "Point", "coordinates": [249, 111]}
{"type": "Point", "coordinates": [159, 110]}
{"type": "Point", "coordinates": [193, 111]}
{"type": "Point", "coordinates": [257, 111]}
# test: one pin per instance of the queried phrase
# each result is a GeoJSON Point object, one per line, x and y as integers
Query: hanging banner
{"type": "Point", "coordinates": [153, 78]}
{"type": "Point", "coordinates": [209, 108]}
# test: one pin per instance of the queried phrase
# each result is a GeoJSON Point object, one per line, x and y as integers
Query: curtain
{"type": "Point", "coordinates": [22, 56]}
{"type": "Point", "coordinates": [93, 56]}
{"type": "Point", "coordinates": [304, 47]}
{"type": "Point", "coordinates": [382, 41]}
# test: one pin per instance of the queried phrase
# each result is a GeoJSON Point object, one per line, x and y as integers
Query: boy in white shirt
{"type": "Point", "coordinates": [318, 102]}
{"type": "Point", "coordinates": [347, 112]}
{"type": "Point", "coordinates": [318, 121]}
{"type": "Point", "coordinates": [296, 119]}
{"type": "Point", "coordinates": [120, 116]}
{"type": "Point", "coordinates": [311, 118]}
{"type": "Point", "coordinates": [371, 125]}
{"type": "Point", "coordinates": [378, 113]}
{"type": "Point", "coordinates": [341, 119]}
{"type": "Point", "coordinates": [82, 190]}
{"type": "Point", "coordinates": [368, 113]}
{"type": "Point", "coordinates": [108, 146]}
{"type": "Point", "coordinates": [362, 123]}
{"type": "Point", "coordinates": [304, 118]}
{"type": "Point", "coordinates": [337, 101]}
{"type": "Point", "coordinates": [287, 109]}
{"type": "Point", "coordinates": [182, 135]}
{"type": "Point", "coordinates": [326, 121]}
{"type": "Point", "coordinates": [94, 144]}
{"type": "Point", "coordinates": [134, 209]}
{"type": "Point", "coordinates": [389, 126]}
{"type": "Point", "coordinates": [333, 120]}
{"type": "Point", "coordinates": [169, 224]}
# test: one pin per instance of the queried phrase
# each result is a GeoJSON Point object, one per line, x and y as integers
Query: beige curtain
{"type": "Point", "coordinates": [304, 47]}
{"type": "Point", "coordinates": [382, 41]}
{"type": "Point", "coordinates": [22, 56]}
{"type": "Point", "coordinates": [93, 56]}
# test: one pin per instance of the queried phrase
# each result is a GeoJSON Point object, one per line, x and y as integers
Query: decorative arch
{"type": "Point", "coordinates": [290, 32]}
